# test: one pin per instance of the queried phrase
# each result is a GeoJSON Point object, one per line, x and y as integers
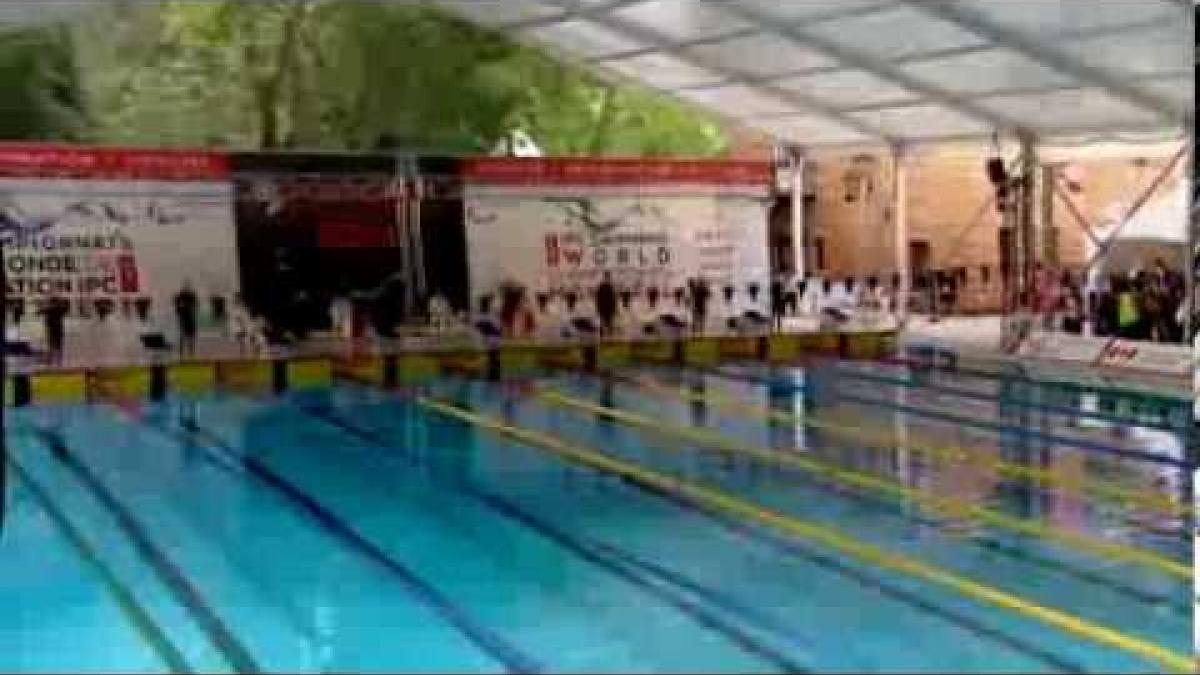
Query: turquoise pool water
{"type": "Point", "coordinates": [356, 530]}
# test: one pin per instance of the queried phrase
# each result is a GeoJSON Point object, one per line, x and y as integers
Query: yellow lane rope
{"type": "Point", "coordinates": [717, 500]}
{"type": "Point", "coordinates": [707, 438]}
{"type": "Point", "coordinates": [884, 441]}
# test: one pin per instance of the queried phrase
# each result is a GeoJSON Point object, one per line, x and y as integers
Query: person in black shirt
{"type": "Point", "coordinates": [606, 304]}
{"type": "Point", "coordinates": [778, 302]}
{"type": "Point", "coordinates": [700, 296]}
{"type": "Point", "coordinates": [185, 312]}
{"type": "Point", "coordinates": [54, 313]}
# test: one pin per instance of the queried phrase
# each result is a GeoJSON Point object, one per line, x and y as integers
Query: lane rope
{"type": "Point", "coordinates": [706, 438]}
{"type": "Point", "coordinates": [883, 441]}
{"type": "Point", "coordinates": [720, 501]}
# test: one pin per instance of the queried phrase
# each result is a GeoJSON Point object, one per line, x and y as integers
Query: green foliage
{"type": "Point", "coordinates": [41, 99]}
{"type": "Point", "coordinates": [336, 74]}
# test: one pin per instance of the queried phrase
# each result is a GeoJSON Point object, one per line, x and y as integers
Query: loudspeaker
{"type": "Point", "coordinates": [996, 172]}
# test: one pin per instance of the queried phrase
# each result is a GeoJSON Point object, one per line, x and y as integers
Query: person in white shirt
{"type": "Point", "coordinates": [577, 319]}
{"type": "Point", "coordinates": [809, 299]}
{"type": "Point", "coordinates": [548, 318]}
{"type": "Point", "coordinates": [644, 319]}
{"type": "Point", "coordinates": [241, 326]}
{"type": "Point", "coordinates": [673, 318]}
{"type": "Point", "coordinates": [341, 317]}
{"type": "Point", "coordinates": [729, 313]}
{"type": "Point", "coordinates": [873, 302]}
{"type": "Point", "coordinates": [626, 321]}
{"type": "Point", "coordinates": [107, 342]}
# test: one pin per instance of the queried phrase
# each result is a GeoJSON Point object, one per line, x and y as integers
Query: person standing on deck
{"type": "Point", "coordinates": [700, 297]}
{"type": "Point", "coordinates": [778, 302]}
{"type": "Point", "coordinates": [606, 304]}
{"type": "Point", "coordinates": [54, 313]}
{"type": "Point", "coordinates": [186, 305]}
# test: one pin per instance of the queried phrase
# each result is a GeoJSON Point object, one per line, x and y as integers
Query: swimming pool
{"type": "Point", "coordinates": [748, 518]}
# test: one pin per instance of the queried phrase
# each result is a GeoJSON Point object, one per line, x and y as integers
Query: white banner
{"type": "Point", "coordinates": [118, 239]}
{"type": "Point", "coordinates": [560, 224]}
{"type": "Point", "coordinates": [553, 242]}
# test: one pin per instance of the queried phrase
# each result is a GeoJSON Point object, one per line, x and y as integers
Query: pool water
{"type": "Point", "coordinates": [361, 530]}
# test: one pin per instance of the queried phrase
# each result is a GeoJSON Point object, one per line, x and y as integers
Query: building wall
{"type": "Point", "coordinates": [850, 215]}
{"type": "Point", "coordinates": [950, 209]}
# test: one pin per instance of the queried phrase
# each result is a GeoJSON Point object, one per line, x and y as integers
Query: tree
{"type": "Point", "coordinates": [332, 74]}
{"type": "Point", "coordinates": [42, 98]}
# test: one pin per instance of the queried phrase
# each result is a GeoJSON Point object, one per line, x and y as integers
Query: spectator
{"type": "Point", "coordinates": [606, 304]}
{"type": "Point", "coordinates": [778, 302]}
{"type": "Point", "coordinates": [240, 324]}
{"type": "Point", "coordinates": [874, 299]}
{"type": "Point", "coordinates": [1128, 311]}
{"type": "Point", "coordinates": [1072, 305]}
{"type": "Point", "coordinates": [1048, 297]}
{"type": "Point", "coordinates": [54, 313]}
{"type": "Point", "coordinates": [185, 315]}
{"type": "Point", "coordinates": [341, 316]}
{"type": "Point", "coordinates": [700, 296]}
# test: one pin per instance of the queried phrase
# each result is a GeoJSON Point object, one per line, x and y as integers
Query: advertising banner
{"type": "Point", "coordinates": [558, 225]}
{"type": "Point", "coordinates": [89, 224]}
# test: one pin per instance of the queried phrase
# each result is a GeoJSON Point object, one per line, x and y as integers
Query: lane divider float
{"type": "Point", "coordinates": [884, 441]}
{"type": "Point", "coordinates": [716, 500]}
{"type": "Point", "coordinates": [706, 438]}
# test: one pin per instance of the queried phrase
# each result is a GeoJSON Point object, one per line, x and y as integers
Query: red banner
{"type": "Point", "coordinates": [21, 160]}
{"type": "Point", "coordinates": [558, 171]}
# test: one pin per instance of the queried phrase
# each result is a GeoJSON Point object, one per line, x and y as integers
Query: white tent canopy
{"type": "Point", "coordinates": [847, 72]}
{"type": "Point", "coordinates": [823, 73]}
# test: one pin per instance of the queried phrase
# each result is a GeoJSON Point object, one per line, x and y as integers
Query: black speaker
{"type": "Point", "coordinates": [996, 172]}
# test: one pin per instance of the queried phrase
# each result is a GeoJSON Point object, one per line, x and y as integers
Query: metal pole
{"type": "Point", "coordinates": [1026, 224]}
{"type": "Point", "coordinates": [799, 233]}
{"type": "Point", "coordinates": [900, 208]}
{"type": "Point", "coordinates": [1049, 227]}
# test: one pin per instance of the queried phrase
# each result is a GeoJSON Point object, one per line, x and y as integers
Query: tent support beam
{"type": "Point", "coordinates": [1137, 205]}
{"type": "Point", "coordinates": [1069, 202]}
{"type": "Point", "coordinates": [665, 46]}
{"type": "Point", "coordinates": [987, 29]}
{"type": "Point", "coordinates": [1050, 186]}
{"type": "Point", "coordinates": [877, 67]}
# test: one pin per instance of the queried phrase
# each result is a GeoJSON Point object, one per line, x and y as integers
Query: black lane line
{"type": "Point", "coordinates": [591, 553]}
{"type": "Point", "coordinates": [143, 622]}
{"type": "Point", "coordinates": [994, 545]}
{"type": "Point", "coordinates": [230, 646]}
{"type": "Point", "coordinates": [749, 532]}
{"type": "Point", "coordinates": [491, 643]}
{"type": "Point", "coordinates": [997, 428]}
